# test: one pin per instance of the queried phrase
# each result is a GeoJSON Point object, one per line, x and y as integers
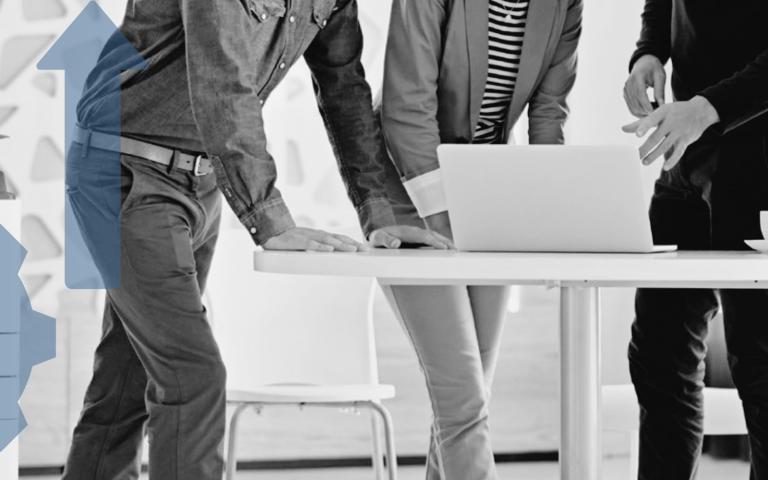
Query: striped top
{"type": "Point", "coordinates": [506, 28]}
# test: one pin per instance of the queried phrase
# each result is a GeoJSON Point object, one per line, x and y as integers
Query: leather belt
{"type": "Point", "coordinates": [199, 165]}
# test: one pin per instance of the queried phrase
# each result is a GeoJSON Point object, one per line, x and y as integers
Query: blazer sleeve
{"type": "Point", "coordinates": [548, 108]}
{"type": "Point", "coordinates": [409, 99]}
{"type": "Point", "coordinates": [743, 96]}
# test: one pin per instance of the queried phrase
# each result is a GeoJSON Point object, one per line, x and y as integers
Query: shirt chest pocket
{"type": "Point", "coordinates": [265, 10]}
{"type": "Point", "coordinates": [322, 11]}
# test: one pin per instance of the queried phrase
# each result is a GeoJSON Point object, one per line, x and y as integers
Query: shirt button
{"type": "Point", "coordinates": [261, 102]}
{"type": "Point", "coordinates": [253, 230]}
{"type": "Point", "coordinates": [264, 16]}
{"type": "Point", "coordinates": [282, 66]}
{"type": "Point", "coordinates": [325, 23]}
{"type": "Point", "coordinates": [292, 19]}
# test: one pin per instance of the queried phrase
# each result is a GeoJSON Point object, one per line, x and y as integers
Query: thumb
{"type": "Point", "coordinates": [381, 238]}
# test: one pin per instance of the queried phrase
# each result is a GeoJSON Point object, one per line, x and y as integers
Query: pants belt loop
{"type": "Point", "coordinates": [86, 144]}
{"type": "Point", "coordinates": [174, 161]}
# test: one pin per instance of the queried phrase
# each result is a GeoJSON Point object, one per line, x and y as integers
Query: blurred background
{"type": "Point", "coordinates": [525, 404]}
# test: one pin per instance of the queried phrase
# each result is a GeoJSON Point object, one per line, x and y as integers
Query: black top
{"type": "Point", "coordinates": [719, 49]}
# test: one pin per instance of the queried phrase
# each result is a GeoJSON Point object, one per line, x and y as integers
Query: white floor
{"type": "Point", "coordinates": [614, 469]}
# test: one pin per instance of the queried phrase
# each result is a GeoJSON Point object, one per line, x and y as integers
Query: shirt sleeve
{"type": "Point", "coordinates": [346, 105]}
{"type": "Point", "coordinates": [548, 108]}
{"type": "Point", "coordinates": [656, 33]}
{"type": "Point", "coordinates": [743, 96]}
{"type": "Point", "coordinates": [228, 114]}
{"type": "Point", "coordinates": [409, 99]}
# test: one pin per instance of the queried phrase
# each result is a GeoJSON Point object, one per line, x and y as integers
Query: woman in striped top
{"type": "Point", "coordinates": [463, 71]}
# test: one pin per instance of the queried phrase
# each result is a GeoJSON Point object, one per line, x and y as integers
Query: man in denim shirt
{"type": "Point", "coordinates": [191, 126]}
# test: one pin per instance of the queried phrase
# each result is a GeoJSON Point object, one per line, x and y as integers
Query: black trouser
{"type": "Point", "coordinates": [714, 205]}
{"type": "Point", "coordinates": [157, 368]}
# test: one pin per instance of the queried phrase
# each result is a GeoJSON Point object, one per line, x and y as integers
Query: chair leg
{"type": "Point", "coordinates": [634, 454]}
{"type": "Point", "coordinates": [231, 468]}
{"type": "Point", "coordinates": [378, 451]}
{"type": "Point", "coordinates": [389, 435]}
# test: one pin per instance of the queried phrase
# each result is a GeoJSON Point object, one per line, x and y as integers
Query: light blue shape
{"type": "Point", "coordinates": [33, 335]}
{"type": "Point", "coordinates": [9, 398]}
{"type": "Point", "coordinates": [9, 354]}
{"type": "Point", "coordinates": [11, 256]}
{"type": "Point", "coordinates": [92, 250]}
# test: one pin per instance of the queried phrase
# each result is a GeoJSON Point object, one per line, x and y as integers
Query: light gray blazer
{"type": "Point", "coordinates": [436, 69]}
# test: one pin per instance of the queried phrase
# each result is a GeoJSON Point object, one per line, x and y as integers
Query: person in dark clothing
{"type": "Point", "coordinates": [191, 127]}
{"type": "Point", "coordinates": [714, 138]}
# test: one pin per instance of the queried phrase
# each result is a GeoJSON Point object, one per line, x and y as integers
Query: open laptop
{"type": "Point", "coordinates": [546, 199]}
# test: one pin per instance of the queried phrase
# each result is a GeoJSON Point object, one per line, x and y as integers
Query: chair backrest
{"type": "Point", "coordinates": [278, 329]}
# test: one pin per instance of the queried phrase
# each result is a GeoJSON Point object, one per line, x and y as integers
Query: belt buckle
{"type": "Point", "coordinates": [196, 167]}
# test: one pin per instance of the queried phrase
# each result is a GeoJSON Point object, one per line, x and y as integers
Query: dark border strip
{"type": "Point", "coordinates": [318, 463]}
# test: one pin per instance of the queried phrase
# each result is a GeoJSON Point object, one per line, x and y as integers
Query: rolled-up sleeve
{"type": "Point", "coordinates": [409, 99]}
{"type": "Point", "coordinates": [227, 111]}
{"type": "Point", "coordinates": [346, 105]}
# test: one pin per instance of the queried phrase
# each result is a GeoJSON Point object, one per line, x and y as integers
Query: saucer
{"type": "Point", "coordinates": [759, 245]}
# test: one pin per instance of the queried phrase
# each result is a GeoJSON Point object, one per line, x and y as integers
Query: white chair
{"type": "Point", "coordinates": [723, 415]}
{"type": "Point", "coordinates": [296, 340]}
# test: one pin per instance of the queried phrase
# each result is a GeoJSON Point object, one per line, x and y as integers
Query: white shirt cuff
{"type": "Point", "coordinates": [426, 192]}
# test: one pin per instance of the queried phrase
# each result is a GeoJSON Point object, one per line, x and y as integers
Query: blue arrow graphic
{"type": "Point", "coordinates": [92, 238]}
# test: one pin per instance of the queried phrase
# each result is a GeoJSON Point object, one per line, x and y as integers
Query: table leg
{"type": "Point", "coordinates": [580, 447]}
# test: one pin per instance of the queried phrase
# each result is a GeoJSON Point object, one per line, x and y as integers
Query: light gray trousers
{"type": "Point", "coordinates": [456, 332]}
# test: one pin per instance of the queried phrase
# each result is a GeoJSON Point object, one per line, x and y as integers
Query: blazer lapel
{"type": "Point", "coordinates": [538, 30]}
{"type": "Point", "coordinates": [476, 12]}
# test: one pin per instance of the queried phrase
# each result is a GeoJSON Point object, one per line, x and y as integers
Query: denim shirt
{"type": "Point", "coordinates": [213, 63]}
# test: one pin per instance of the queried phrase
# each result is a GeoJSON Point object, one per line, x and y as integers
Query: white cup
{"type": "Point", "coordinates": [764, 223]}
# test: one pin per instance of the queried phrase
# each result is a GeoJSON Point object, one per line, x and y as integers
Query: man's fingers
{"type": "Point", "coordinates": [652, 141]}
{"type": "Point", "coordinates": [660, 150]}
{"type": "Point", "coordinates": [431, 239]}
{"type": "Point", "coordinates": [659, 85]}
{"type": "Point", "coordinates": [337, 244]}
{"type": "Point", "coordinates": [350, 241]}
{"type": "Point", "coordinates": [641, 93]}
{"type": "Point", "coordinates": [447, 241]}
{"type": "Point", "coordinates": [340, 243]}
{"type": "Point", "coordinates": [641, 127]}
{"type": "Point", "coordinates": [632, 105]}
{"type": "Point", "coordinates": [632, 127]}
{"type": "Point", "coordinates": [315, 246]}
{"type": "Point", "coordinates": [677, 154]}
{"type": "Point", "coordinates": [634, 94]}
{"type": "Point", "coordinates": [382, 239]}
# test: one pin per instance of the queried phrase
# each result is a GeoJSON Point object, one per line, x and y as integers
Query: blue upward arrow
{"type": "Point", "coordinates": [90, 37]}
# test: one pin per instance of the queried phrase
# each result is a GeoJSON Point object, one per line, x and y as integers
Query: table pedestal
{"type": "Point", "coordinates": [580, 447]}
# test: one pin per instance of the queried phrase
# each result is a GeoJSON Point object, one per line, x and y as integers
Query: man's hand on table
{"type": "Point", "coordinates": [397, 235]}
{"type": "Point", "coordinates": [675, 127]}
{"type": "Point", "coordinates": [309, 239]}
